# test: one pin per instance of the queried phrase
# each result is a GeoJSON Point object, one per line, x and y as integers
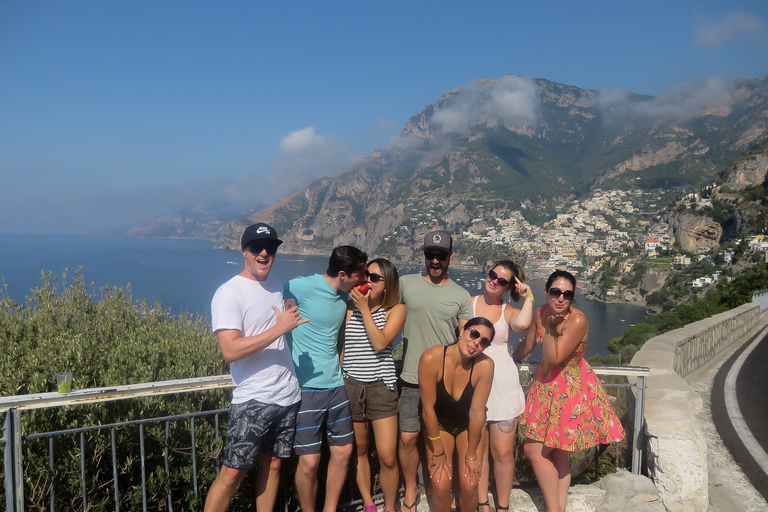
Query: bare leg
{"type": "Point", "coordinates": [337, 475]}
{"type": "Point", "coordinates": [363, 469]}
{"type": "Point", "coordinates": [385, 435]}
{"type": "Point", "coordinates": [467, 484]}
{"type": "Point", "coordinates": [546, 472]}
{"type": "Point", "coordinates": [267, 482]}
{"type": "Point", "coordinates": [306, 481]}
{"type": "Point", "coordinates": [563, 464]}
{"type": "Point", "coordinates": [440, 486]}
{"type": "Point", "coordinates": [409, 465]}
{"type": "Point", "coordinates": [503, 434]}
{"type": "Point", "coordinates": [223, 488]}
{"type": "Point", "coordinates": [485, 473]}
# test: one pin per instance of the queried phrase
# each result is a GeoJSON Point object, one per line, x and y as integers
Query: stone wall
{"type": "Point", "coordinates": [761, 297]}
{"type": "Point", "coordinates": [676, 450]}
{"type": "Point", "coordinates": [700, 341]}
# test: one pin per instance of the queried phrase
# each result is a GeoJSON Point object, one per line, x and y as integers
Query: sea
{"type": "Point", "coordinates": [182, 275]}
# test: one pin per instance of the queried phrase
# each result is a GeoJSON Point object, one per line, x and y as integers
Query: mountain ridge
{"type": "Point", "coordinates": [517, 144]}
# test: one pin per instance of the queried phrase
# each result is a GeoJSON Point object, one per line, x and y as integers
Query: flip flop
{"type": "Point", "coordinates": [412, 506]}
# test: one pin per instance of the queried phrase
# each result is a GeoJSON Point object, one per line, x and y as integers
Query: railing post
{"type": "Point", "coordinates": [14, 474]}
{"type": "Point", "coordinates": [637, 451]}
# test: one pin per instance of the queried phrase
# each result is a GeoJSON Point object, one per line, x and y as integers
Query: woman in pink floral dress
{"type": "Point", "coordinates": [567, 409]}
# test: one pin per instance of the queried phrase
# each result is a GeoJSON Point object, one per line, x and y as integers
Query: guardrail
{"type": "Point", "coordinates": [13, 438]}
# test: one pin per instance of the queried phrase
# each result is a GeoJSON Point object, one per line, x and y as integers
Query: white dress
{"type": "Point", "coordinates": [506, 400]}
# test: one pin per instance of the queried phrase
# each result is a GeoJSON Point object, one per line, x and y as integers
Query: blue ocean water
{"type": "Point", "coordinates": [183, 274]}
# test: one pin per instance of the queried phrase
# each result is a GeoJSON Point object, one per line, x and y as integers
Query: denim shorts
{"type": "Point", "coordinates": [410, 409]}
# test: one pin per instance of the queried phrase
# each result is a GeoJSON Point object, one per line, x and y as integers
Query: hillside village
{"type": "Point", "coordinates": [610, 228]}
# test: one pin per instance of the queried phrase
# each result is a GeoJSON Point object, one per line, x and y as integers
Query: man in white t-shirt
{"type": "Point", "coordinates": [249, 321]}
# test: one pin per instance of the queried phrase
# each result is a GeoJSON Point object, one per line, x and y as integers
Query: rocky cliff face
{"type": "Point", "coordinates": [749, 172]}
{"type": "Point", "coordinates": [694, 233]}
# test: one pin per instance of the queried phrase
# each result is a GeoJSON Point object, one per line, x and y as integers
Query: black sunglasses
{"type": "Point", "coordinates": [374, 278]}
{"type": "Point", "coordinates": [432, 255]}
{"type": "Point", "coordinates": [557, 292]}
{"type": "Point", "coordinates": [257, 248]}
{"type": "Point", "coordinates": [494, 276]}
{"type": "Point", "coordinates": [474, 334]}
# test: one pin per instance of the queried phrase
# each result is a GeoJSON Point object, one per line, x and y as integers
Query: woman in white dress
{"type": "Point", "coordinates": [507, 400]}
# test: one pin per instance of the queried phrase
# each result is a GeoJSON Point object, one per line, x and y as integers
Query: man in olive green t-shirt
{"type": "Point", "coordinates": [437, 309]}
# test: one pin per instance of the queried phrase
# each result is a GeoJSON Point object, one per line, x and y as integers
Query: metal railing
{"type": "Point", "coordinates": [13, 438]}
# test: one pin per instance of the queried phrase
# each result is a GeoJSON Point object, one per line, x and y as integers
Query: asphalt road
{"type": "Point", "coordinates": [740, 408]}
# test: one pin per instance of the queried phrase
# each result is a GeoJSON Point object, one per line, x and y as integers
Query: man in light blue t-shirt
{"type": "Point", "coordinates": [314, 349]}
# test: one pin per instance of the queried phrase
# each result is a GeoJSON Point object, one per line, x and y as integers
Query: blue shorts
{"type": "Point", "coordinates": [256, 427]}
{"type": "Point", "coordinates": [323, 411]}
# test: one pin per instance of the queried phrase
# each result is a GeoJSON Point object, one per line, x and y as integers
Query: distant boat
{"type": "Point", "coordinates": [232, 263]}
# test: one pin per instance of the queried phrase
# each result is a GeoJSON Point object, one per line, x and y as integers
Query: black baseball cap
{"type": "Point", "coordinates": [260, 232]}
{"type": "Point", "coordinates": [440, 240]}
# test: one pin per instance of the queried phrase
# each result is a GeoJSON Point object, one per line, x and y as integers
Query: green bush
{"type": "Point", "coordinates": [109, 339]}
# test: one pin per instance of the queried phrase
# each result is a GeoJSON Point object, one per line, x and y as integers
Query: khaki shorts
{"type": "Point", "coordinates": [370, 400]}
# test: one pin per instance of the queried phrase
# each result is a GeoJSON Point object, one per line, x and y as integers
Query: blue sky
{"type": "Point", "coordinates": [112, 113]}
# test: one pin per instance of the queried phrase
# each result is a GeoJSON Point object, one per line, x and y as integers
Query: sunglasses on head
{"type": "Point", "coordinates": [374, 278]}
{"type": "Point", "coordinates": [557, 292]}
{"type": "Point", "coordinates": [475, 334]}
{"type": "Point", "coordinates": [432, 255]}
{"type": "Point", "coordinates": [494, 276]}
{"type": "Point", "coordinates": [257, 248]}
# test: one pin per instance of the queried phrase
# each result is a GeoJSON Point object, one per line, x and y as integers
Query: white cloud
{"type": "Point", "coordinates": [734, 26]}
{"type": "Point", "coordinates": [684, 101]}
{"type": "Point", "coordinates": [304, 156]}
{"type": "Point", "coordinates": [512, 99]}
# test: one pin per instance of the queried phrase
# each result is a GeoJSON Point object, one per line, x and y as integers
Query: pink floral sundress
{"type": "Point", "coordinates": [567, 407]}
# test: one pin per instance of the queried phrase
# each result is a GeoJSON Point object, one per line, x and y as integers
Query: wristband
{"type": "Point", "coordinates": [438, 454]}
{"type": "Point", "coordinates": [471, 459]}
{"type": "Point", "coordinates": [434, 438]}
{"type": "Point", "coordinates": [529, 297]}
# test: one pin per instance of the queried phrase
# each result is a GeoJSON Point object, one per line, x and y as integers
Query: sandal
{"type": "Point", "coordinates": [502, 508]}
{"type": "Point", "coordinates": [412, 506]}
{"type": "Point", "coordinates": [485, 504]}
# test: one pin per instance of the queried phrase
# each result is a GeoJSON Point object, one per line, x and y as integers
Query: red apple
{"type": "Point", "coordinates": [363, 288]}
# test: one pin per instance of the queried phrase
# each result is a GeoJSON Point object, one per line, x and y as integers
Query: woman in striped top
{"type": "Point", "coordinates": [374, 319]}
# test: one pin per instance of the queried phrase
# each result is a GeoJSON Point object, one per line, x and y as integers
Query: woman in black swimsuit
{"type": "Point", "coordinates": [454, 382]}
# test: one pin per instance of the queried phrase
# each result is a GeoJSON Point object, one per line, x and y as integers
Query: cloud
{"type": "Point", "coordinates": [304, 156]}
{"type": "Point", "coordinates": [734, 26]}
{"type": "Point", "coordinates": [512, 99]}
{"type": "Point", "coordinates": [684, 101]}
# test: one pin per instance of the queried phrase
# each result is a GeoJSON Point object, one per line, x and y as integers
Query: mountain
{"type": "Point", "coordinates": [203, 220]}
{"type": "Point", "coordinates": [494, 147]}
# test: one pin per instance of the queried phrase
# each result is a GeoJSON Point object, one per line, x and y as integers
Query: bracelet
{"type": "Point", "coordinates": [471, 459]}
{"type": "Point", "coordinates": [529, 297]}
{"type": "Point", "coordinates": [438, 454]}
{"type": "Point", "coordinates": [434, 438]}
